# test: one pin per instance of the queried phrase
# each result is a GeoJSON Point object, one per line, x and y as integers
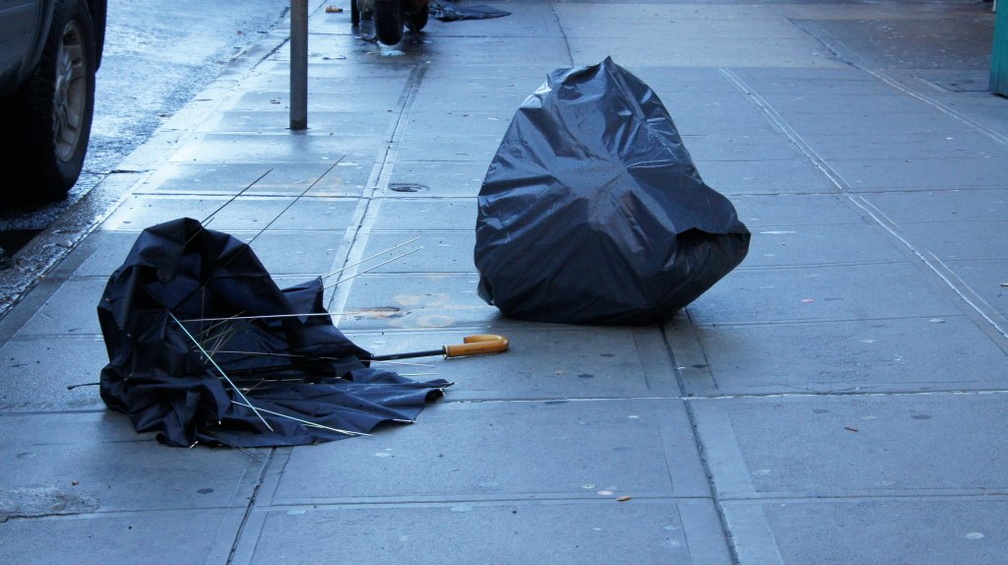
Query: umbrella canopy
{"type": "Point", "coordinates": [203, 346]}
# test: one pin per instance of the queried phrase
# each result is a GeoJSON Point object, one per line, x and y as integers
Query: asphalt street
{"type": "Point", "coordinates": [146, 76]}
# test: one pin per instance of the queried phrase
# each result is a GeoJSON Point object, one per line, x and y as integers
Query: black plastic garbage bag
{"type": "Point", "coordinates": [204, 347]}
{"type": "Point", "coordinates": [593, 212]}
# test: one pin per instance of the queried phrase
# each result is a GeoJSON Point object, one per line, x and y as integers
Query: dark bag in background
{"type": "Point", "coordinates": [592, 210]}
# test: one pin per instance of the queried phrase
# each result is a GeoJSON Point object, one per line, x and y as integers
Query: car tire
{"type": "Point", "coordinates": [51, 116]}
{"type": "Point", "coordinates": [418, 19]}
{"type": "Point", "coordinates": [388, 20]}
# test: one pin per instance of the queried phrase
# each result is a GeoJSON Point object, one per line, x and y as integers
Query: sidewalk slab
{"type": "Point", "coordinates": [839, 397]}
{"type": "Point", "coordinates": [823, 293]}
{"type": "Point", "coordinates": [549, 362]}
{"type": "Point", "coordinates": [347, 178]}
{"type": "Point", "coordinates": [150, 536]}
{"type": "Point", "coordinates": [513, 449]}
{"type": "Point", "coordinates": [83, 453]}
{"type": "Point", "coordinates": [879, 445]}
{"type": "Point", "coordinates": [648, 531]}
{"type": "Point", "coordinates": [949, 353]}
{"type": "Point", "coordinates": [873, 530]}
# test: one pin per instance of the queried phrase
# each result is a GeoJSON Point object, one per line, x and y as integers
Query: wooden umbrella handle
{"type": "Point", "coordinates": [476, 345]}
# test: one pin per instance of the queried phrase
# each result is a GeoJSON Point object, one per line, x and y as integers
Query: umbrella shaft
{"type": "Point", "coordinates": [392, 356]}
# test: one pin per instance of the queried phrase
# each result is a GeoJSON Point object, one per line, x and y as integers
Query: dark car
{"type": "Point", "coordinates": [50, 51]}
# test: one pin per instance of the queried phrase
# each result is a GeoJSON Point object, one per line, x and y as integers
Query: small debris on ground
{"type": "Point", "coordinates": [333, 9]}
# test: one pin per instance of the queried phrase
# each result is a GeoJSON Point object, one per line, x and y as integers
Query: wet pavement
{"type": "Point", "coordinates": [838, 398]}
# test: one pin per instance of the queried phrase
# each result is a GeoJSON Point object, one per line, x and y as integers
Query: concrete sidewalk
{"type": "Point", "coordinates": [838, 398]}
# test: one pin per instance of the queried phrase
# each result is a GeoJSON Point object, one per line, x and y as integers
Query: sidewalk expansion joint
{"type": "Point", "coordinates": [842, 393]}
{"type": "Point", "coordinates": [370, 204]}
{"type": "Point", "coordinates": [701, 448]}
{"type": "Point", "coordinates": [251, 505]}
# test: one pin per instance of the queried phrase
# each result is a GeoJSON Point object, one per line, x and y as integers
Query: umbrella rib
{"type": "Point", "coordinates": [260, 232]}
{"type": "Point", "coordinates": [221, 338]}
{"type": "Point", "coordinates": [373, 268]}
{"type": "Point", "coordinates": [295, 201]}
{"type": "Point", "coordinates": [305, 422]}
{"type": "Point", "coordinates": [209, 331]}
{"type": "Point", "coordinates": [210, 217]}
{"type": "Point", "coordinates": [391, 362]}
{"type": "Point", "coordinates": [281, 355]}
{"type": "Point", "coordinates": [365, 260]}
{"type": "Point", "coordinates": [265, 316]}
{"type": "Point", "coordinates": [221, 371]}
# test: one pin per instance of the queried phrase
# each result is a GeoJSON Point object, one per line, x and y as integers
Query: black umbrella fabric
{"type": "Point", "coordinates": [592, 211]}
{"type": "Point", "coordinates": [203, 346]}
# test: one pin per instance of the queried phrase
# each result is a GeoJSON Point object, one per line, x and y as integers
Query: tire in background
{"type": "Point", "coordinates": [51, 117]}
{"type": "Point", "coordinates": [388, 20]}
{"type": "Point", "coordinates": [418, 18]}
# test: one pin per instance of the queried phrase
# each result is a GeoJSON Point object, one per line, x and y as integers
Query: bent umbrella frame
{"type": "Point", "coordinates": [204, 347]}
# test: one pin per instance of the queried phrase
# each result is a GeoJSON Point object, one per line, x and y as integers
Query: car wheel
{"type": "Point", "coordinates": [52, 115]}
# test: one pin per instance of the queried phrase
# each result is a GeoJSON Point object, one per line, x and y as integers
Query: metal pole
{"type": "Point", "coordinates": [299, 65]}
